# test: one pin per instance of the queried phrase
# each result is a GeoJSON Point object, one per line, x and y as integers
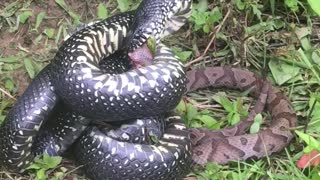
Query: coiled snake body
{"type": "Point", "coordinates": [73, 92]}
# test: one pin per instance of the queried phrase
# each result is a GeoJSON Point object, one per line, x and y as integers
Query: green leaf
{"type": "Point", "coordinates": [272, 5]}
{"type": "Point", "coordinates": [205, 19]}
{"type": "Point", "coordinates": [255, 127]}
{"type": "Point", "coordinates": [2, 117]}
{"type": "Point", "coordinates": [61, 33]}
{"type": "Point", "coordinates": [306, 44]}
{"type": "Point", "coordinates": [151, 43]}
{"type": "Point", "coordinates": [192, 112]}
{"type": "Point", "coordinates": [23, 17]}
{"type": "Point", "coordinates": [308, 63]}
{"type": "Point", "coordinates": [256, 11]}
{"type": "Point", "coordinates": [198, 18]}
{"type": "Point", "coordinates": [102, 11]}
{"type": "Point", "coordinates": [153, 139]}
{"type": "Point", "coordinates": [51, 162]}
{"type": "Point", "coordinates": [315, 5]}
{"type": "Point", "coordinates": [29, 67]}
{"type": "Point", "coordinates": [74, 15]}
{"type": "Point", "coordinates": [201, 6]}
{"type": "Point", "coordinates": [316, 56]}
{"type": "Point", "coordinates": [183, 55]}
{"type": "Point", "coordinates": [182, 107]}
{"type": "Point", "coordinates": [209, 121]}
{"type": "Point", "coordinates": [10, 9]}
{"type": "Point", "coordinates": [240, 108]}
{"type": "Point", "coordinates": [123, 5]}
{"type": "Point", "coordinates": [315, 174]}
{"type": "Point", "coordinates": [309, 140]}
{"type": "Point", "coordinates": [315, 114]}
{"type": "Point", "coordinates": [226, 104]}
{"type": "Point", "coordinates": [214, 16]}
{"type": "Point", "coordinates": [206, 28]}
{"type": "Point", "coordinates": [303, 34]}
{"type": "Point", "coordinates": [49, 32]}
{"type": "Point", "coordinates": [39, 19]}
{"type": "Point", "coordinates": [9, 84]}
{"type": "Point", "coordinates": [240, 5]}
{"type": "Point", "coordinates": [11, 59]}
{"type": "Point", "coordinates": [41, 174]}
{"type": "Point", "coordinates": [305, 58]}
{"type": "Point", "coordinates": [34, 166]}
{"type": "Point", "coordinates": [282, 72]}
{"type": "Point", "coordinates": [292, 4]}
{"type": "Point", "coordinates": [233, 118]}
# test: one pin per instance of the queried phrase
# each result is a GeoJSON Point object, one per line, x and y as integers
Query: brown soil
{"type": "Point", "coordinates": [24, 38]}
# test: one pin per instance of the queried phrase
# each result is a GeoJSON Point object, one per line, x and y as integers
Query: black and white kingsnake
{"type": "Point", "coordinates": [73, 92]}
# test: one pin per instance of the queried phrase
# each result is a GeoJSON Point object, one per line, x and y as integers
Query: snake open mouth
{"type": "Point", "coordinates": [141, 56]}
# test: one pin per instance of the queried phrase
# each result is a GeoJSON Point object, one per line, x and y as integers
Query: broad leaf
{"type": "Point", "coordinates": [29, 67]}
{"type": "Point", "coordinates": [102, 11]}
{"type": "Point", "coordinates": [51, 162]}
{"type": "Point", "coordinates": [309, 140]}
{"type": "Point", "coordinates": [315, 5]}
{"type": "Point", "coordinates": [24, 16]}
{"type": "Point", "coordinates": [283, 72]}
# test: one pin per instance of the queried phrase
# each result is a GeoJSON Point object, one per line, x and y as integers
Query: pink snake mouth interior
{"type": "Point", "coordinates": [141, 56]}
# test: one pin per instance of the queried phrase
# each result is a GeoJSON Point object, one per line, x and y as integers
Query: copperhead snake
{"type": "Point", "coordinates": [232, 143]}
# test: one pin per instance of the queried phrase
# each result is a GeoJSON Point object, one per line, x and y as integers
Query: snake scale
{"type": "Point", "coordinates": [91, 81]}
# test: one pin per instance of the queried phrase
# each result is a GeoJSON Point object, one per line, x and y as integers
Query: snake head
{"type": "Point", "coordinates": [149, 22]}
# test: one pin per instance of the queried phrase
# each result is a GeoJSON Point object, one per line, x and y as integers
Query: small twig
{"type": "Point", "coordinates": [302, 127]}
{"type": "Point", "coordinates": [211, 41]}
{"type": "Point", "coordinates": [22, 48]}
{"type": "Point", "coordinates": [73, 170]}
{"type": "Point", "coordinates": [8, 94]}
{"type": "Point", "coordinates": [8, 175]}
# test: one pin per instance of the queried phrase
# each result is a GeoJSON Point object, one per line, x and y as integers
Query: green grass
{"type": "Point", "coordinates": [279, 37]}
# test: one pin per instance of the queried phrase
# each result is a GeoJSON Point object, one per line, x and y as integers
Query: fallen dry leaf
{"type": "Point", "coordinates": [309, 159]}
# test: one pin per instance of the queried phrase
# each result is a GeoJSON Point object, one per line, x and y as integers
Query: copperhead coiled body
{"type": "Point", "coordinates": [178, 145]}
{"type": "Point", "coordinates": [232, 143]}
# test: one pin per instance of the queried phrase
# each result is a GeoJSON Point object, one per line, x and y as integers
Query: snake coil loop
{"type": "Point", "coordinates": [72, 90]}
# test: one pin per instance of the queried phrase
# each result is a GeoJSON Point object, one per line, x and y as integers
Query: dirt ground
{"type": "Point", "coordinates": [24, 38]}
